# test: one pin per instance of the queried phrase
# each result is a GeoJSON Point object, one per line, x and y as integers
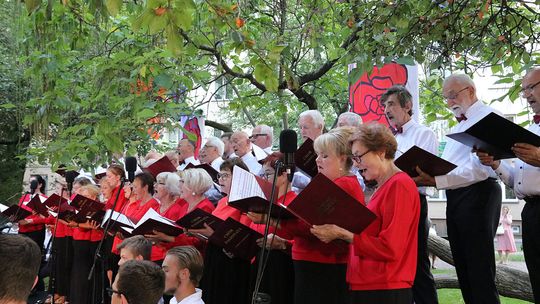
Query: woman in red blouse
{"type": "Point", "coordinates": [320, 267]}
{"type": "Point", "coordinates": [382, 261]}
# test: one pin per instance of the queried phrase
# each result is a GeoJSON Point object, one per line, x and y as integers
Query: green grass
{"type": "Point", "coordinates": [453, 296]}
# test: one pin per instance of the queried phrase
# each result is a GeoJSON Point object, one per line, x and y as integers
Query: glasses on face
{"type": "Point", "coordinates": [453, 96]}
{"type": "Point", "coordinates": [358, 158]}
{"type": "Point", "coordinates": [111, 291]}
{"type": "Point", "coordinates": [223, 175]}
{"type": "Point", "coordinates": [528, 89]}
{"type": "Point", "coordinates": [267, 175]}
{"type": "Point", "coordinates": [254, 136]}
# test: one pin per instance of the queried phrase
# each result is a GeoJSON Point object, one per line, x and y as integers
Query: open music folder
{"type": "Point", "coordinates": [151, 221]}
{"type": "Point", "coordinates": [324, 202]}
{"type": "Point", "coordinates": [197, 218]}
{"type": "Point", "coordinates": [251, 193]}
{"type": "Point", "coordinates": [14, 213]}
{"type": "Point", "coordinates": [304, 158]}
{"type": "Point", "coordinates": [236, 238]}
{"type": "Point", "coordinates": [426, 161]}
{"type": "Point", "coordinates": [496, 135]}
{"type": "Point", "coordinates": [161, 165]}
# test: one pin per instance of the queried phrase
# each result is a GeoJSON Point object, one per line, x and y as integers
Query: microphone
{"type": "Point", "coordinates": [288, 145]}
{"type": "Point", "coordinates": [33, 186]}
{"type": "Point", "coordinates": [70, 178]}
{"type": "Point", "coordinates": [131, 167]}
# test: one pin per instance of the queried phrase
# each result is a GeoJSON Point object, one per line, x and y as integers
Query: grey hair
{"type": "Point", "coordinates": [171, 180]}
{"type": "Point", "coordinates": [460, 78]}
{"type": "Point", "coordinates": [216, 142]}
{"type": "Point", "coordinates": [315, 115]}
{"type": "Point", "coordinates": [266, 129]}
{"type": "Point", "coordinates": [353, 119]}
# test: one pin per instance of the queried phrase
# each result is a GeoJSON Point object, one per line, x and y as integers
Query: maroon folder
{"type": "Point", "coordinates": [304, 158]}
{"type": "Point", "coordinates": [324, 202]}
{"type": "Point", "coordinates": [36, 205]}
{"type": "Point", "coordinates": [236, 238]}
{"type": "Point", "coordinates": [54, 201]}
{"type": "Point", "coordinates": [16, 213]}
{"type": "Point", "coordinates": [84, 203]}
{"type": "Point", "coordinates": [161, 165]}
{"type": "Point", "coordinates": [428, 162]}
{"type": "Point", "coordinates": [197, 218]}
{"type": "Point", "coordinates": [206, 167]}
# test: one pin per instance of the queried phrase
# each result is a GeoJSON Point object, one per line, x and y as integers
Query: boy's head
{"type": "Point", "coordinates": [134, 248]}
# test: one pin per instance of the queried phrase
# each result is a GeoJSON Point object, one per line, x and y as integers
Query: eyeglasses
{"type": "Point", "coordinates": [358, 158]}
{"type": "Point", "coordinates": [266, 175]}
{"type": "Point", "coordinates": [111, 291]}
{"type": "Point", "coordinates": [528, 90]}
{"type": "Point", "coordinates": [254, 136]}
{"type": "Point", "coordinates": [454, 95]}
{"type": "Point", "coordinates": [223, 175]}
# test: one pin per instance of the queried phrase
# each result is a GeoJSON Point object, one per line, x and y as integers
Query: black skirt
{"type": "Point", "coordinates": [225, 280]}
{"type": "Point", "coordinates": [83, 291]}
{"type": "Point", "coordinates": [278, 277]}
{"type": "Point", "coordinates": [388, 296]}
{"type": "Point", "coordinates": [62, 261]}
{"type": "Point", "coordinates": [320, 283]}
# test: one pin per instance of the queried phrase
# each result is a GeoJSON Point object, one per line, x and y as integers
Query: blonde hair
{"type": "Point", "coordinates": [336, 142]}
{"type": "Point", "coordinates": [197, 180]}
{"type": "Point", "coordinates": [92, 190]}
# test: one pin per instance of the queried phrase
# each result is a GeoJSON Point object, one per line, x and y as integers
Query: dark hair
{"type": "Point", "coordinates": [20, 258]}
{"type": "Point", "coordinates": [229, 164]}
{"type": "Point", "coordinates": [189, 257]}
{"type": "Point", "coordinates": [376, 137]}
{"type": "Point", "coordinates": [82, 181]}
{"type": "Point", "coordinates": [272, 160]}
{"type": "Point", "coordinates": [117, 169]}
{"type": "Point", "coordinates": [226, 134]}
{"type": "Point", "coordinates": [402, 95]}
{"type": "Point", "coordinates": [146, 180]}
{"type": "Point", "coordinates": [41, 181]}
{"type": "Point", "coordinates": [138, 245]}
{"type": "Point", "coordinates": [141, 282]}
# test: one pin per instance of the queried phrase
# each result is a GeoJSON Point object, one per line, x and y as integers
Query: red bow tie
{"type": "Point", "coordinates": [536, 119]}
{"type": "Point", "coordinates": [397, 130]}
{"type": "Point", "coordinates": [461, 118]}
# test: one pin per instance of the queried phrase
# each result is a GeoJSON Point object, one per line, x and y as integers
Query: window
{"type": "Point", "coordinates": [223, 90]}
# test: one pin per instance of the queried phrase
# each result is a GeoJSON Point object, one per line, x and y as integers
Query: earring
{"type": "Point", "coordinates": [193, 193]}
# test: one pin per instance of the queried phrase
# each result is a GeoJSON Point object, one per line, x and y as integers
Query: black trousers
{"type": "Point", "coordinates": [388, 296]}
{"type": "Point", "coordinates": [63, 258]}
{"type": "Point", "coordinates": [424, 290]}
{"type": "Point", "coordinates": [530, 217]}
{"type": "Point", "coordinates": [472, 216]}
{"type": "Point", "coordinates": [84, 291]}
{"type": "Point", "coordinates": [320, 283]}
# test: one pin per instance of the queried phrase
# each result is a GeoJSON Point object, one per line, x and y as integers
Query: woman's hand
{"type": "Point", "coordinates": [207, 231]}
{"type": "Point", "coordinates": [273, 242]}
{"type": "Point", "coordinates": [260, 218]}
{"type": "Point", "coordinates": [25, 222]}
{"type": "Point", "coordinates": [329, 232]}
{"type": "Point", "coordinates": [157, 237]}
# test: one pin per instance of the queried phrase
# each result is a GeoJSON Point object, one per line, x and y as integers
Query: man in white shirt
{"type": "Point", "coordinates": [213, 149]}
{"type": "Point", "coordinates": [242, 148]}
{"type": "Point", "coordinates": [183, 266]}
{"type": "Point", "coordinates": [263, 137]}
{"type": "Point", "coordinates": [473, 198]}
{"type": "Point", "coordinates": [524, 178]}
{"type": "Point", "coordinates": [186, 153]}
{"type": "Point", "coordinates": [397, 103]}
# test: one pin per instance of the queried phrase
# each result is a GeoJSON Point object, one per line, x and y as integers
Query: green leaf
{"type": "Point", "coordinates": [113, 6]}
{"type": "Point", "coordinates": [8, 106]}
{"type": "Point", "coordinates": [174, 41]}
{"type": "Point", "coordinates": [237, 37]}
{"type": "Point", "coordinates": [407, 60]}
{"type": "Point", "coordinates": [182, 17]}
{"type": "Point", "coordinates": [157, 24]}
{"type": "Point", "coordinates": [145, 114]}
{"type": "Point", "coordinates": [164, 80]}
{"type": "Point", "coordinates": [31, 5]}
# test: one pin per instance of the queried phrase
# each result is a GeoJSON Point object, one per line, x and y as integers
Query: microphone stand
{"type": "Point", "coordinates": [258, 298]}
{"type": "Point", "coordinates": [54, 250]}
{"type": "Point", "coordinates": [98, 255]}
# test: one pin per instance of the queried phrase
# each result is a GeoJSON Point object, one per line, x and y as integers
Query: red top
{"type": "Point", "coordinates": [184, 239]}
{"type": "Point", "coordinates": [37, 219]}
{"type": "Point", "coordinates": [134, 212]}
{"type": "Point", "coordinates": [307, 247]}
{"type": "Point", "coordinates": [121, 200]}
{"type": "Point", "coordinates": [289, 197]}
{"type": "Point", "coordinates": [174, 213]}
{"type": "Point", "coordinates": [224, 211]}
{"type": "Point", "coordinates": [61, 230]}
{"type": "Point", "coordinates": [383, 256]}
{"type": "Point", "coordinates": [82, 234]}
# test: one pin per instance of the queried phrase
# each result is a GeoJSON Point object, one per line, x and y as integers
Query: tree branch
{"type": "Point", "coordinates": [217, 125]}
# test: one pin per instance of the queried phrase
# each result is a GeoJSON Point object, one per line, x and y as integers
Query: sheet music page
{"type": "Point", "coordinates": [115, 216]}
{"type": "Point", "coordinates": [3, 208]}
{"type": "Point", "coordinates": [152, 214]}
{"type": "Point", "coordinates": [244, 185]}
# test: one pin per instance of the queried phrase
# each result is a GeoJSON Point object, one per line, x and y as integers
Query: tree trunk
{"type": "Point", "coordinates": [512, 283]}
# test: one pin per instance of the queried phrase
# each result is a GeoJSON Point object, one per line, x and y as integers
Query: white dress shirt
{"type": "Point", "coordinates": [195, 298]}
{"type": "Point", "coordinates": [216, 163]}
{"type": "Point", "coordinates": [268, 150]}
{"type": "Point", "coordinates": [416, 134]}
{"type": "Point", "coordinates": [469, 168]}
{"type": "Point", "coordinates": [523, 178]}
{"type": "Point", "coordinates": [252, 163]}
{"type": "Point", "coordinates": [189, 160]}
